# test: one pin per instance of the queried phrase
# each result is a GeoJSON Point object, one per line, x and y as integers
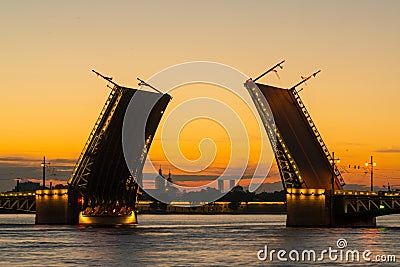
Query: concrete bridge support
{"type": "Point", "coordinates": [307, 208]}
{"type": "Point", "coordinates": [59, 206]}
{"type": "Point", "coordinates": [312, 208]}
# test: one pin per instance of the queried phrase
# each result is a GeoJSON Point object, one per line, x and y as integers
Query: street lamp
{"type": "Point", "coordinates": [372, 164]}
{"type": "Point", "coordinates": [333, 161]}
{"type": "Point", "coordinates": [44, 165]}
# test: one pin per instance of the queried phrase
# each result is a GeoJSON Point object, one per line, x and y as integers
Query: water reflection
{"type": "Point", "coordinates": [165, 240]}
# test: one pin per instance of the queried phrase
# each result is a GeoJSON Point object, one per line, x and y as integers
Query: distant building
{"type": "Point", "coordinates": [221, 185]}
{"type": "Point", "coordinates": [27, 187]}
{"type": "Point", "coordinates": [160, 181]}
{"type": "Point", "coordinates": [237, 188]}
{"type": "Point", "coordinates": [61, 186]}
{"type": "Point", "coordinates": [231, 184]}
{"type": "Point", "coordinates": [169, 177]}
{"type": "Point", "coordinates": [171, 189]}
{"type": "Point", "coordinates": [169, 184]}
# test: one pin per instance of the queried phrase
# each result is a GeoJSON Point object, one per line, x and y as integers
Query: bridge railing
{"type": "Point", "coordinates": [81, 170]}
{"type": "Point", "coordinates": [367, 193]}
{"type": "Point", "coordinates": [17, 194]}
{"type": "Point", "coordinates": [316, 133]}
{"type": "Point", "coordinates": [286, 163]}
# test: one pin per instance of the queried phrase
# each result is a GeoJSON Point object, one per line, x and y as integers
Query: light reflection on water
{"type": "Point", "coordinates": [180, 240]}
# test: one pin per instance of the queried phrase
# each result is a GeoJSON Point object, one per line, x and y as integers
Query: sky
{"type": "Point", "coordinates": [49, 99]}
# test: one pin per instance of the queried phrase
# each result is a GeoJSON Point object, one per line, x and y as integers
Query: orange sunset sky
{"type": "Point", "coordinates": [49, 99]}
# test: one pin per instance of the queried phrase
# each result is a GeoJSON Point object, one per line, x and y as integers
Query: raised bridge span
{"type": "Point", "coordinates": [102, 186]}
{"type": "Point", "coordinates": [313, 183]}
{"type": "Point", "coordinates": [299, 141]}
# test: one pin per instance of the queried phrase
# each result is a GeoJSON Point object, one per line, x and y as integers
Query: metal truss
{"type": "Point", "coordinates": [369, 203]}
{"type": "Point", "coordinates": [290, 175]}
{"type": "Point", "coordinates": [18, 201]}
{"type": "Point", "coordinates": [82, 168]}
{"type": "Point", "coordinates": [316, 132]}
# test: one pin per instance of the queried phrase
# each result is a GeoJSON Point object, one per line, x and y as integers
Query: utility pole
{"type": "Point", "coordinates": [372, 164]}
{"type": "Point", "coordinates": [333, 161]}
{"type": "Point", "coordinates": [44, 165]}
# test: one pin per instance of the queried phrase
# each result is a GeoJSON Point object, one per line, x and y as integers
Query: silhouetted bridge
{"type": "Point", "coordinates": [102, 189]}
{"type": "Point", "coordinates": [313, 183]}
{"type": "Point", "coordinates": [365, 203]}
{"type": "Point", "coordinates": [311, 207]}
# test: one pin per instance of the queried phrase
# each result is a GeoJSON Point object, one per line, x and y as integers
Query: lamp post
{"type": "Point", "coordinates": [333, 161]}
{"type": "Point", "coordinates": [44, 165]}
{"type": "Point", "coordinates": [372, 164]}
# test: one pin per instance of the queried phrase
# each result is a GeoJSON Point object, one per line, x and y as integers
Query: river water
{"type": "Point", "coordinates": [191, 240]}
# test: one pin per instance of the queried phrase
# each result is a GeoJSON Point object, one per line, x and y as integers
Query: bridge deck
{"type": "Point", "coordinates": [302, 143]}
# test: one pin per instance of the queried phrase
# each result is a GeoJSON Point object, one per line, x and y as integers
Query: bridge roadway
{"type": "Point", "coordinates": [26, 202]}
{"type": "Point", "coordinates": [347, 203]}
{"type": "Point", "coordinates": [303, 141]}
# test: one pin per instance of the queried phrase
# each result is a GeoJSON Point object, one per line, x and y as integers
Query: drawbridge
{"type": "Point", "coordinates": [303, 158]}
{"type": "Point", "coordinates": [310, 177]}
{"type": "Point", "coordinates": [101, 173]}
{"type": "Point", "coordinates": [102, 185]}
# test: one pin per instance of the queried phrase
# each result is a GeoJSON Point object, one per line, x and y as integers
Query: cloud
{"type": "Point", "coordinates": [388, 150]}
{"type": "Point", "coordinates": [362, 187]}
{"type": "Point", "coordinates": [14, 159]}
{"type": "Point", "coordinates": [64, 161]}
{"type": "Point", "coordinates": [24, 168]}
{"type": "Point", "coordinates": [350, 143]}
{"type": "Point", "coordinates": [18, 161]}
{"type": "Point", "coordinates": [53, 181]}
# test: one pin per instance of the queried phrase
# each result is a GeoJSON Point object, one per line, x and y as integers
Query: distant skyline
{"type": "Point", "coordinates": [50, 98]}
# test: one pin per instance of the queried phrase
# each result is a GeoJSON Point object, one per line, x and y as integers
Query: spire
{"type": "Point", "coordinates": [160, 171]}
{"type": "Point", "coordinates": [169, 176]}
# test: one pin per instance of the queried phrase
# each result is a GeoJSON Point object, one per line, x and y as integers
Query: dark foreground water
{"type": "Point", "coordinates": [190, 240]}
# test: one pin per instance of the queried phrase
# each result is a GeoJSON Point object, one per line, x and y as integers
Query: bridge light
{"type": "Point", "coordinates": [381, 207]}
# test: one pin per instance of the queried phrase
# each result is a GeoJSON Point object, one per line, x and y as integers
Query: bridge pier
{"type": "Point", "coordinates": [64, 206]}
{"type": "Point", "coordinates": [307, 208]}
{"type": "Point", "coordinates": [58, 206]}
{"type": "Point", "coordinates": [130, 219]}
{"type": "Point", "coordinates": [311, 208]}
